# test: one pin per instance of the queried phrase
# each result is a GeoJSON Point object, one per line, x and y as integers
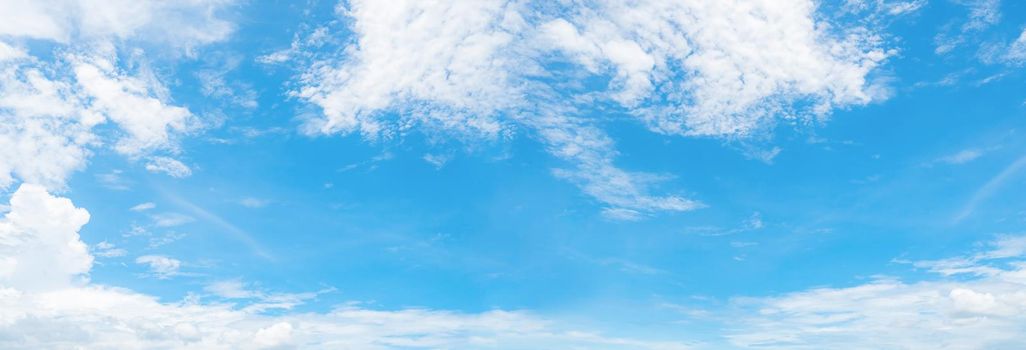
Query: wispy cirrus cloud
{"type": "Point", "coordinates": [980, 15]}
{"type": "Point", "coordinates": [961, 157]}
{"type": "Point", "coordinates": [989, 188]}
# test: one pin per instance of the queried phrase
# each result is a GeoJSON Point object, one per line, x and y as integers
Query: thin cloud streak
{"type": "Point", "coordinates": [988, 189]}
{"type": "Point", "coordinates": [234, 231]}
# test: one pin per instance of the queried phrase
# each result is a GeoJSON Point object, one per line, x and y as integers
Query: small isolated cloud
{"type": "Point", "coordinates": [143, 207]}
{"type": "Point", "coordinates": [165, 239]}
{"type": "Point", "coordinates": [1016, 53]}
{"type": "Point", "coordinates": [169, 166]}
{"type": "Point", "coordinates": [135, 231]}
{"type": "Point", "coordinates": [258, 300]}
{"type": "Point", "coordinates": [370, 164]}
{"type": "Point", "coordinates": [171, 219]}
{"type": "Point", "coordinates": [436, 160]}
{"type": "Point", "coordinates": [160, 266]}
{"type": "Point", "coordinates": [113, 180]}
{"type": "Point", "coordinates": [108, 250]}
{"type": "Point", "coordinates": [230, 289]}
{"type": "Point", "coordinates": [961, 157]}
{"type": "Point", "coordinates": [754, 222]}
{"type": "Point", "coordinates": [622, 214]}
{"type": "Point", "coordinates": [763, 155]}
{"type": "Point", "coordinates": [251, 202]}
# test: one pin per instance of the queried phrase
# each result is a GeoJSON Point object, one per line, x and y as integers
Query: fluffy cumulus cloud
{"type": "Point", "coordinates": [439, 63]}
{"type": "Point", "coordinates": [51, 119]}
{"type": "Point", "coordinates": [39, 243]}
{"type": "Point", "coordinates": [44, 134]}
{"type": "Point", "coordinates": [979, 304]}
{"type": "Point", "coordinates": [722, 69]}
{"type": "Point", "coordinates": [55, 107]}
{"type": "Point", "coordinates": [46, 301]}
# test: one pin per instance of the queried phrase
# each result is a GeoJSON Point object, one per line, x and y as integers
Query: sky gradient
{"type": "Point", "coordinates": [506, 174]}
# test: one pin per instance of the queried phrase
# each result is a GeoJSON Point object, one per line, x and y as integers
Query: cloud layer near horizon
{"type": "Point", "coordinates": [47, 302]}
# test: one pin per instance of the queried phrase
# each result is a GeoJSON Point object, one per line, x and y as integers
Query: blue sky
{"type": "Point", "coordinates": [513, 174]}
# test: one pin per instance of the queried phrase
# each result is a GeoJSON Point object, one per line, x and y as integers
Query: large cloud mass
{"type": "Point", "coordinates": [707, 68]}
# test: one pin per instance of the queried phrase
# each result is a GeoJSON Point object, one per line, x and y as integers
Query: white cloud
{"type": "Point", "coordinates": [169, 166]}
{"type": "Point", "coordinates": [904, 7]}
{"type": "Point", "coordinates": [251, 202]}
{"type": "Point", "coordinates": [982, 15]}
{"type": "Point", "coordinates": [962, 157]}
{"type": "Point", "coordinates": [214, 83]}
{"type": "Point", "coordinates": [44, 136]}
{"type": "Point", "coordinates": [9, 53]}
{"type": "Point", "coordinates": [42, 306]}
{"type": "Point", "coordinates": [108, 250]}
{"type": "Point", "coordinates": [143, 207]}
{"type": "Point", "coordinates": [887, 7]}
{"type": "Point", "coordinates": [258, 300]}
{"type": "Point", "coordinates": [39, 243]}
{"type": "Point", "coordinates": [171, 219]}
{"type": "Point", "coordinates": [274, 335]}
{"type": "Point", "coordinates": [988, 189]}
{"type": "Point", "coordinates": [436, 160]}
{"type": "Point", "coordinates": [161, 267]}
{"type": "Point", "coordinates": [466, 69]}
{"type": "Point", "coordinates": [725, 68]}
{"type": "Point", "coordinates": [165, 239]}
{"type": "Point", "coordinates": [134, 103]}
{"type": "Point", "coordinates": [440, 63]}
{"type": "Point", "coordinates": [1017, 50]}
{"type": "Point", "coordinates": [179, 24]}
{"type": "Point", "coordinates": [51, 105]}
{"type": "Point", "coordinates": [983, 307]}
{"type": "Point", "coordinates": [231, 289]}
{"type": "Point", "coordinates": [113, 180]}
{"type": "Point", "coordinates": [754, 222]}
{"type": "Point", "coordinates": [622, 214]}
{"type": "Point", "coordinates": [592, 152]}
